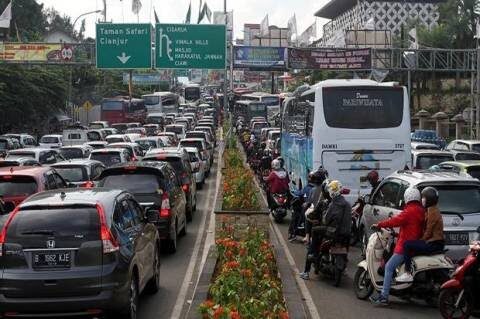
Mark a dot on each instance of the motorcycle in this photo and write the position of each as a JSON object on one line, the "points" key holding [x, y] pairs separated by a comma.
{"points": [[332, 260], [429, 271], [279, 210], [357, 212], [460, 296], [297, 223]]}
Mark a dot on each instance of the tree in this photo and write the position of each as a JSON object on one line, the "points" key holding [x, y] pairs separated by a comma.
{"points": [[28, 18]]}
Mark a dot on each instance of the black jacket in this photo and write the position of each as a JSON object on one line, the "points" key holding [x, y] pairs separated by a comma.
{"points": [[338, 215]]}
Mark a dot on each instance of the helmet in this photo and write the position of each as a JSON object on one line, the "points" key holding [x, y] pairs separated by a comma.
{"points": [[430, 195], [281, 160], [309, 178], [319, 176], [276, 165], [411, 195], [372, 177], [334, 188]]}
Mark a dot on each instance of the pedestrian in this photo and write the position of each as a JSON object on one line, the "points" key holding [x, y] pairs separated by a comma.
{"points": [[410, 221], [432, 240]]}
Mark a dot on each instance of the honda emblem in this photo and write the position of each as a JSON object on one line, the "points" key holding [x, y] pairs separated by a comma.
{"points": [[50, 243]]}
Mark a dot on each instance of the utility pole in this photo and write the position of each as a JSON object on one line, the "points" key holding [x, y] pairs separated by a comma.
{"points": [[477, 117], [225, 84], [104, 10]]}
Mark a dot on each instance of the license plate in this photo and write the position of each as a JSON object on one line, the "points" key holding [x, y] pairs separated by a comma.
{"points": [[452, 238], [51, 260]]}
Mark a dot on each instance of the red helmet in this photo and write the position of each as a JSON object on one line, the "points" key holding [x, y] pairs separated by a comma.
{"points": [[372, 177]]}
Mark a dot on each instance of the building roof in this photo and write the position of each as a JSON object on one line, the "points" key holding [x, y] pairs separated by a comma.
{"points": [[334, 8]]}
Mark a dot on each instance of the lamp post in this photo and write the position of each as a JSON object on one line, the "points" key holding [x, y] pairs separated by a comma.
{"points": [[82, 15]]}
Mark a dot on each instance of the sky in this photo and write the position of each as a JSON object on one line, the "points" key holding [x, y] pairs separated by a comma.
{"points": [[174, 11]]}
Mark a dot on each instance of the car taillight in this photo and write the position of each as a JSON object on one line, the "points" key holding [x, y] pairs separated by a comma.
{"points": [[88, 184], [185, 187], [165, 208], [3, 233], [109, 242], [281, 200]]}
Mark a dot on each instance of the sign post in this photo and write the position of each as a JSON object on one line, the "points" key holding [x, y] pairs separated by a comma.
{"points": [[190, 46], [124, 46]]}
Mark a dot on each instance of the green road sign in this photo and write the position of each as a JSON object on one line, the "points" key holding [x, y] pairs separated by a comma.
{"points": [[124, 46], [190, 46]]}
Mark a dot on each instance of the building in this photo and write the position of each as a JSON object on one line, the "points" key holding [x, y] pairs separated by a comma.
{"points": [[276, 37], [388, 15], [56, 36]]}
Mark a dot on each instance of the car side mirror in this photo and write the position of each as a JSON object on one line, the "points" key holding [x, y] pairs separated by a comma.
{"points": [[151, 215], [367, 199]]}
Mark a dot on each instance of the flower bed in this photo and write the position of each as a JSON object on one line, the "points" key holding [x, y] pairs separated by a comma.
{"points": [[238, 189], [246, 282]]}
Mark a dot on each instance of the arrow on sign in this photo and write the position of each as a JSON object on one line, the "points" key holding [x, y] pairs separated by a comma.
{"points": [[123, 58]]}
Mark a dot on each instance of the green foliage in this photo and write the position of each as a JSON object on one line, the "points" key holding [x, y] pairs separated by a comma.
{"points": [[28, 18]]}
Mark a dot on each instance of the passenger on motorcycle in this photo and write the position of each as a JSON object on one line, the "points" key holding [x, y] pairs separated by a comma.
{"points": [[315, 201], [432, 239], [277, 181], [410, 220]]}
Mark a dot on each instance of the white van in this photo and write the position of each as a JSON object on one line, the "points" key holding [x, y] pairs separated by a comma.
{"points": [[74, 137]]}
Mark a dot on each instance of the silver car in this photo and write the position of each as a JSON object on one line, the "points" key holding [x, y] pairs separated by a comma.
{"points": [[198, 165], [459, 203]]}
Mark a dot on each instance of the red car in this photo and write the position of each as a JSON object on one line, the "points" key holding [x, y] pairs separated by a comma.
{"points": [[18, 183]]}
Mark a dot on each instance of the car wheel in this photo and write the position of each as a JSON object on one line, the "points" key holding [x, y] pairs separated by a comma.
{"points": [[183, 232], [189, 212], [153, 284], [130, 309], [172, 242]]}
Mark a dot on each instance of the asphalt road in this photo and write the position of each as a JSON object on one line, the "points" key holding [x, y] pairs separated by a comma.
{"points": [[174, 267], [341, 302]]}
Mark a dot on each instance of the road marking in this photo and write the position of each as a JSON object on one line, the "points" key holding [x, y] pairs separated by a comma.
{"points": [[312, 309], [187, 281]]}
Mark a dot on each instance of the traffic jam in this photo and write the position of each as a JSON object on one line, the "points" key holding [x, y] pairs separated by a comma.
{"points": [[87, 214]]}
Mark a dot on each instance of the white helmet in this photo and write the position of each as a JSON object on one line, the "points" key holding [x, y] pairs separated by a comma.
{"points": [[276, 165], [412, 194]]}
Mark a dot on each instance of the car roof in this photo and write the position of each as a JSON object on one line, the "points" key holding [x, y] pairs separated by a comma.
{"points": [[177, 151], [31, 150], [52, 135], [464, 164], [467, 141], [108, 150], [155, 114], [82, 146], [131, 144], [24, 170], [147, 164], [432, 176], [105, 196], [146, 138], [433, 152], [77, 161], [192, 150], [115, 136]]}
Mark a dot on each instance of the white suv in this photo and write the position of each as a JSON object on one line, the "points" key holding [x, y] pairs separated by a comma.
{"points": [[459, 203]]}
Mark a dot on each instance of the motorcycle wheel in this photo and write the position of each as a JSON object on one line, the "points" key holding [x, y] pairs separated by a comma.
{"points": [[447, 300], [340, 265], [278, 219], [354, 234], [362, 284]]}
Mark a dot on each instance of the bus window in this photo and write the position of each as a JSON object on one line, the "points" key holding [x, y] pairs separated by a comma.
{"points": [[151, 99]]}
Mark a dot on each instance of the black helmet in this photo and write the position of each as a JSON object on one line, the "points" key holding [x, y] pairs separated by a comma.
{"points": [[319, 176], [282, 161], [431, 196]]}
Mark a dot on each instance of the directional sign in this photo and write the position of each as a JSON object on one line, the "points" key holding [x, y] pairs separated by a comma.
{"points": [[190, 46], [124, 46]]}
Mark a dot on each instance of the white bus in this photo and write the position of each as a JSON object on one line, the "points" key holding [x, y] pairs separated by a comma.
{"points": [[349, 127], [161, 102], [272, 101]]}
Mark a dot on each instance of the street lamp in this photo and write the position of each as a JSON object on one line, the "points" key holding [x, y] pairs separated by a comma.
{"points": [[84, 14]]}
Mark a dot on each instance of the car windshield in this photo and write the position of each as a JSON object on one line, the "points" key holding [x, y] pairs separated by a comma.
{"points": [[95, 126], [476, 148], [147, 144], [135, 131], [197, 144], [70, 222], [134, 183], [72, 174], [94, 136], [120, 127], [20, 154], [71, 153], [112, 140], [17, 185], [429, 160], [3, 145], [175, 129], [49, 139], [459, 199], [107, 158], [9, 163]]}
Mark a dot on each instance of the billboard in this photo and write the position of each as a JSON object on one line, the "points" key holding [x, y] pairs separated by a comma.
{"points": [[260, 58], [35, 52], [330, 59]]}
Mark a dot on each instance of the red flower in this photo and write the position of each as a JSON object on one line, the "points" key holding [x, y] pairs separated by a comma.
{"points": [[232, 264], [234, 314], [218, 312], [283, 315], [246, 272], [209, 303]]}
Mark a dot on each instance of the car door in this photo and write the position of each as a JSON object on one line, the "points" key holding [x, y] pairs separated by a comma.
{"points": [[50, 181], [384, 203], [178, 200], [129, 232]]}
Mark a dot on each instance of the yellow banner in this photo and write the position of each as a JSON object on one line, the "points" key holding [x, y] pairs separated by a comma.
{"points": [[30, 52]]}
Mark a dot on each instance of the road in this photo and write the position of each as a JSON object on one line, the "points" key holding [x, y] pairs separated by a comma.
{"points": [[174, 267], [334, 303]]}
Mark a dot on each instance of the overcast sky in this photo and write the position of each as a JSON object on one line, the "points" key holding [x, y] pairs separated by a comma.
{"points": [[174, 11]]}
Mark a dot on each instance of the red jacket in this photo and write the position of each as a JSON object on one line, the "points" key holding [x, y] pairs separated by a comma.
{"points": [[278, 182], [411, 221]]}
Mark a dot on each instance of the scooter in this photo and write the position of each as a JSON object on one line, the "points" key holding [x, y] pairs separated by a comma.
{"points": [[460, 296], [332, 260], [429, 272], [297, 223], [280, 207]]}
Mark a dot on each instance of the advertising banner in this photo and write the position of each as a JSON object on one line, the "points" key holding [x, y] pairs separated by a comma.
{"points": [[260, 58], [330, 59], [35, 52]]}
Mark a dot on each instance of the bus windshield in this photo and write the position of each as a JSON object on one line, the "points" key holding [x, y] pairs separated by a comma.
{"points": [[192, 93], [271, 100], [151, 99], [363, 108], [112, 105]]}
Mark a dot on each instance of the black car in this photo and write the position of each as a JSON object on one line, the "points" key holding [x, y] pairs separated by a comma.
{"points": [[180, 161], [78, 251], [157, 188]]}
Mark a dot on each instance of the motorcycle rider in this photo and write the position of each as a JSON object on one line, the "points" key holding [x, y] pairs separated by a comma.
{"points": [[432, 239], [411, 221], [318, 196], [297, 214], [374, 180], [277, 181]]}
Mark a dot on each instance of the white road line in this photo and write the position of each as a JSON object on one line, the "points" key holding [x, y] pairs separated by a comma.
{"points": [[187, 281], [312, 309]]}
